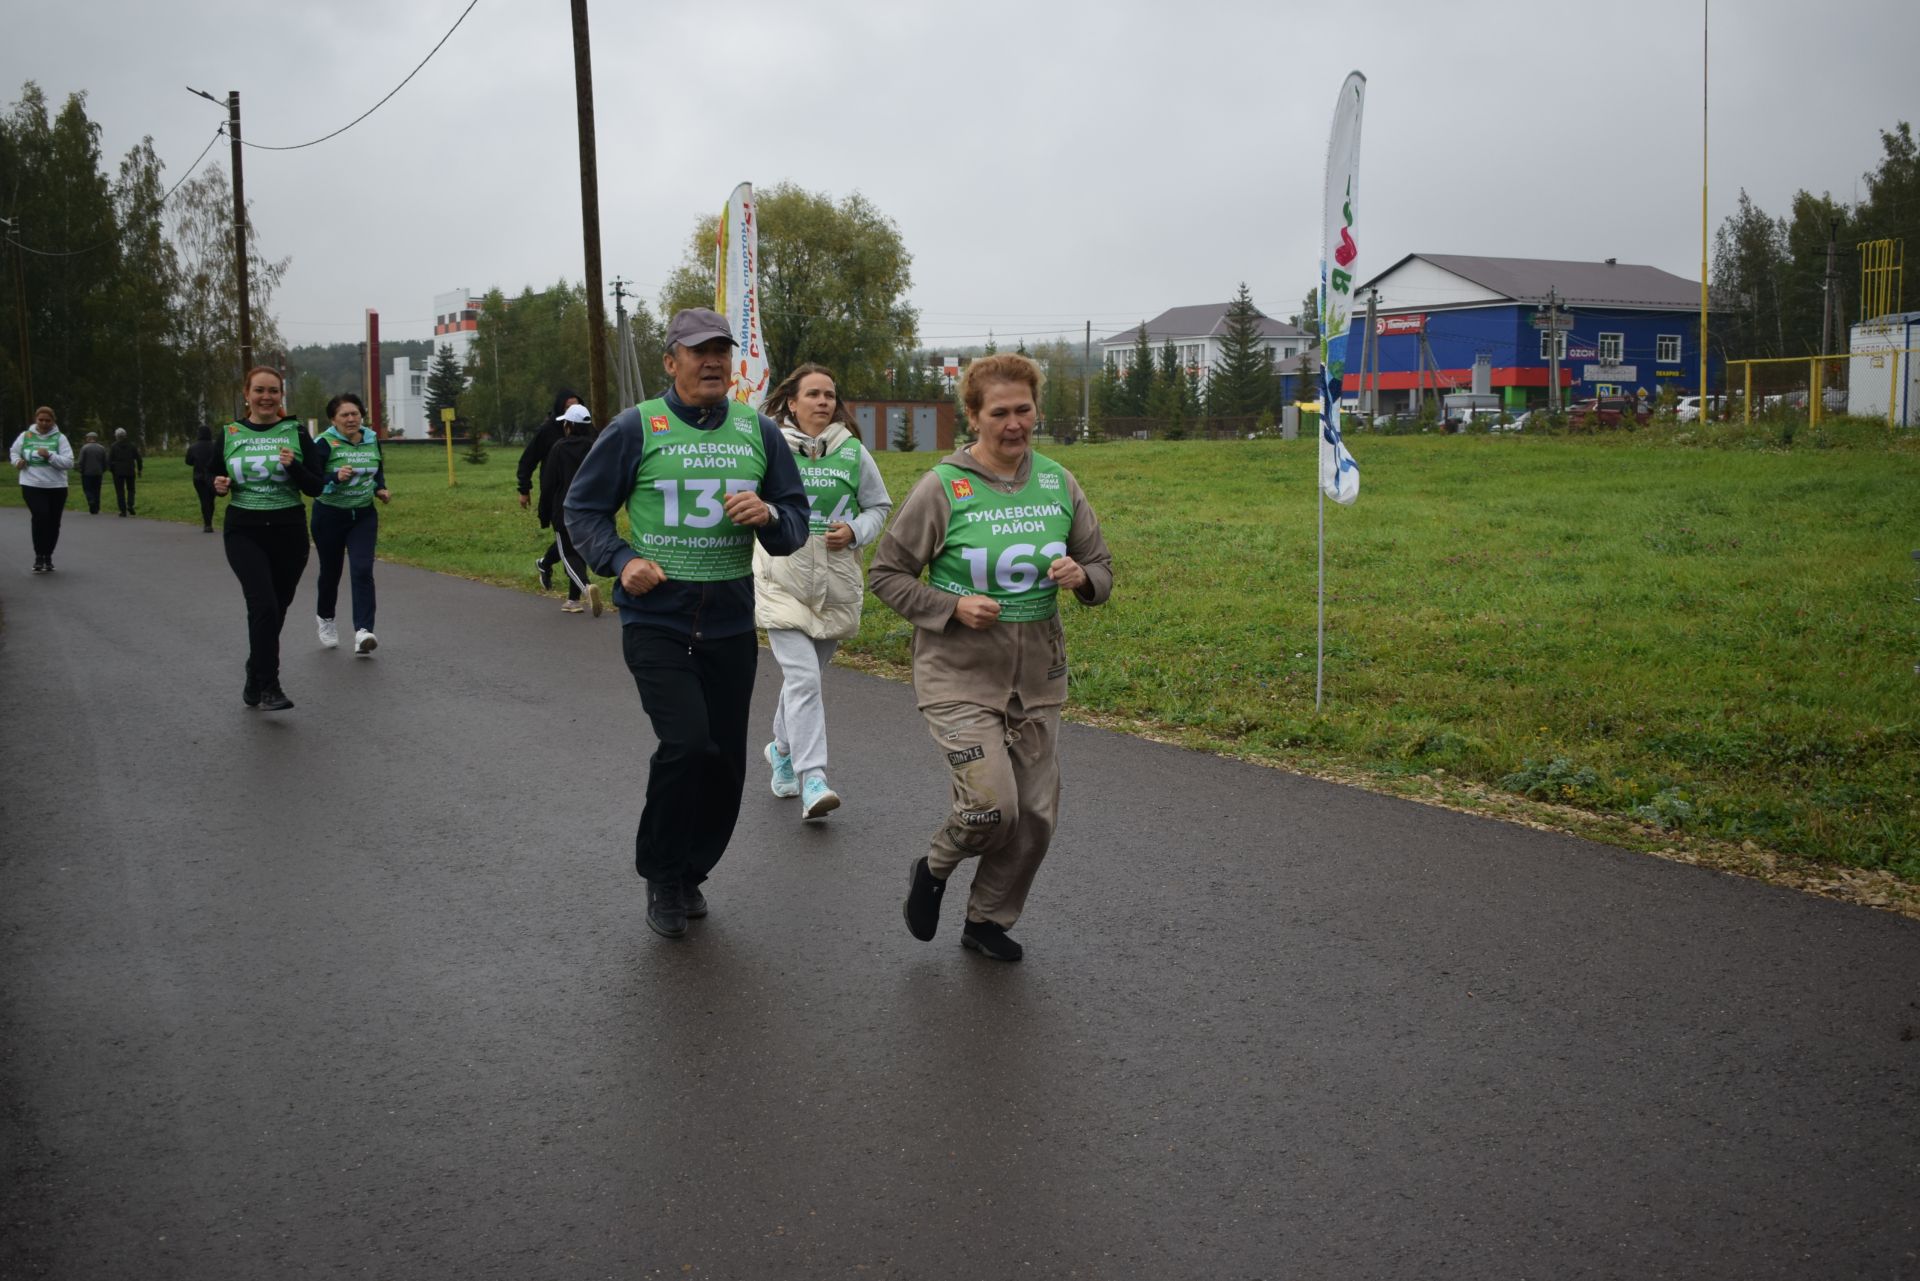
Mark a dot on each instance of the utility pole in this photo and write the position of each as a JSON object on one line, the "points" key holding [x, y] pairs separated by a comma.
{"points": [[242, 299], [621, 365], [1086, 384], [590, 214], [20, 305], [1553, 350], [1829, 290], [1368, 347]]}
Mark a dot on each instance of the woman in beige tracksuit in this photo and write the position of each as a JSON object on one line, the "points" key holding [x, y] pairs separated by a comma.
{"points": [[810, 601], [1003, 532]]}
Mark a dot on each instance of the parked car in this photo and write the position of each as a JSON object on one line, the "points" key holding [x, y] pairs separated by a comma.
{"points": [[1688, 410], [1605, 411], [1519, 422]]}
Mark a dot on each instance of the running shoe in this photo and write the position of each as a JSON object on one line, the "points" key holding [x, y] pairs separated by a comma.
{"points": [[784, 781], [39, 564], [329, 634], [364, 642], [273, 698], [572, 607], [545, 572], [817, 800], [593, 599]]}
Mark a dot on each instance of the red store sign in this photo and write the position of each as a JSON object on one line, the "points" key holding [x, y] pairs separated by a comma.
{"points": [[1384, 325]]}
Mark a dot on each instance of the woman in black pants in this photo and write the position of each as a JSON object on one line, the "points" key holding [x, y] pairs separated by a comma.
{"points": [[269, 463], [345, 522], [204, 457]]}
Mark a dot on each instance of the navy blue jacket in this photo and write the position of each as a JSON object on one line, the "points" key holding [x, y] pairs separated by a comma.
{"points": [[697, 611]]}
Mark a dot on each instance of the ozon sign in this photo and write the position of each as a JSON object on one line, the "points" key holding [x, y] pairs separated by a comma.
{"points": [[1384, 325]]}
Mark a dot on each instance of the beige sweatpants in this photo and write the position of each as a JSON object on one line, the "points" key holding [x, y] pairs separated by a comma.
{"points": [[1006, 800]]}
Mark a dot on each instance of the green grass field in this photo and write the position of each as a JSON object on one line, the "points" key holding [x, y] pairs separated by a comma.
{"points": [[1664, 642]]}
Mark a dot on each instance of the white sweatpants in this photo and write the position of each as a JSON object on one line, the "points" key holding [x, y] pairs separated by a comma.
{"points": [[800, 714]]}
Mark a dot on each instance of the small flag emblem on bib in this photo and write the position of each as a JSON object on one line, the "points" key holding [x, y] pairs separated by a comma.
{"points": [[659, 424], [963, 488]]}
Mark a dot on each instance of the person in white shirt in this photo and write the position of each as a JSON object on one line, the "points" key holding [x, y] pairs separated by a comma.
{"points": [[43, 456]]}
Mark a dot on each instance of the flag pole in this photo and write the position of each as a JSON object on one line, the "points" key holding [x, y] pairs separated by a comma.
{"points": [[1320, 652]]}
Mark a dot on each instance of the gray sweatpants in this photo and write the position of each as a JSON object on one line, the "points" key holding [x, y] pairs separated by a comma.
{"points": [[1006, 800], [800, 714]]}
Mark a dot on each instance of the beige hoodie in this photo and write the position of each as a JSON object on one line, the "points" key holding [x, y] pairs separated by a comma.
{"points": [[953, 663]]}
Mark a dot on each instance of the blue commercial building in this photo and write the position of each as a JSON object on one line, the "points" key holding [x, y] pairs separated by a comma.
{"points": [[1444, 322]]}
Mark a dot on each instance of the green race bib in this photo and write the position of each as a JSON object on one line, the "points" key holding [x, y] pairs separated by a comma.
{"points": [[252, 456], [832, 483], [1000, 545], [364, 458], [675, 515]]}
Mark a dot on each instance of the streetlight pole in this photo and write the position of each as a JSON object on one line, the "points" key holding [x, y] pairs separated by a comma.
{"points": [[243, 294], [20, 304]]}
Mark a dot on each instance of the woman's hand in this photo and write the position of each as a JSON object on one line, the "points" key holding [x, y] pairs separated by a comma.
{"points": [[383, 496], [977, 612], [839, 536], [286, 458], [222, 483], [344, 475], [1066, 571]]}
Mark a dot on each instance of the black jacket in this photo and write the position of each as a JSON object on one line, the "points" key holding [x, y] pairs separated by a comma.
{"points": [[556, 476], [124, 457], [204, 457], [534, 456]]}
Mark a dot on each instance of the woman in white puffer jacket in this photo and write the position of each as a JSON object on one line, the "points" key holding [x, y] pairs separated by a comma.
{"points": [[810, 601]]}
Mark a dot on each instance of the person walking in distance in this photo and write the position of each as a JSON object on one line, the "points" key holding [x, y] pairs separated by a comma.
{"points": [[563, 463], [127, 464], [346, 524], [43, 456], [810, 601], [91, 463], [267, 464], [204, 457], [702, 478], [534, 458], [1003, 531]]}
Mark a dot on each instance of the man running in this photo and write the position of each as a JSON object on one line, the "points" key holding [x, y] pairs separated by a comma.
{"points": [[702, 478]]}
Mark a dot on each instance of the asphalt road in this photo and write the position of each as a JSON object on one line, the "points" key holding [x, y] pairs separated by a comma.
{"points": [[364, 989]]}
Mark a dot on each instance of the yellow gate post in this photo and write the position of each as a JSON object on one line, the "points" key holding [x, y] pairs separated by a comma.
{"points": [[446, 429], [1893, 383], [1746, 399]]}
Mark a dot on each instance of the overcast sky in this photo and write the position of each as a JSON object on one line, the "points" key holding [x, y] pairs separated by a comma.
{"points": [[1047, 163]]}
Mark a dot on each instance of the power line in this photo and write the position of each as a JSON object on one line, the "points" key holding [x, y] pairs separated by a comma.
{"points": [[75, 253], [261, 146]]}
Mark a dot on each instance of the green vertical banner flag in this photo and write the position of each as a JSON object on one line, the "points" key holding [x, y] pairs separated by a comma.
{"points": [[1339, 256]]}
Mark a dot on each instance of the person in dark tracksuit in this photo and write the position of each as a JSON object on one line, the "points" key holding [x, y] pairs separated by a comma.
{"points": [[267, 463], [126, 462], [563, 461], [204, 457], [346, 524], [91, 463], [534, 458], [702, 478]]}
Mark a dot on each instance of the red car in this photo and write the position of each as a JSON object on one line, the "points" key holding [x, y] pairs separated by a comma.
{"points": [[1605, 411]]}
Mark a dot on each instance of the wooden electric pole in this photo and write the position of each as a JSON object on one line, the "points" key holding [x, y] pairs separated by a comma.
{"points": [[590, 216]]}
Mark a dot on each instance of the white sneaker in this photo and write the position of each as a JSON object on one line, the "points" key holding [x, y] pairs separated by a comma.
{"points": [[329, 634], [364, 642], [572, 607]]}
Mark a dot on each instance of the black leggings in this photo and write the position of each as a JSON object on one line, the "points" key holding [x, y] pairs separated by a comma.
{"points": [[203, 486], [268, 560], [45, 506], [345, 533]]}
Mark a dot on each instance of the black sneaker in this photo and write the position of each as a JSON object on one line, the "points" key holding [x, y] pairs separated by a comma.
{"points": [[545, 571], [273, 698], [695, 900], [666, 909], [922, 908], [250, 693], [39, 564], [46, 566], [990, 941]]}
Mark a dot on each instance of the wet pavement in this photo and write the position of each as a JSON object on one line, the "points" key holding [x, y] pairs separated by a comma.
{"points": [[365, 989]]}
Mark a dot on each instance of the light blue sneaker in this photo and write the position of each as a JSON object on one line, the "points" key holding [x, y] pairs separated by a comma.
{"points": [[818, 800], [784, 781]]}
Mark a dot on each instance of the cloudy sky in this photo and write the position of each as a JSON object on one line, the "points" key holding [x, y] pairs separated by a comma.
{"points": [[1047, 162]]}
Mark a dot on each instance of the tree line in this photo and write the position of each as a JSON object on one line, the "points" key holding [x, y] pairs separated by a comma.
{"points": [[122, 311], [1770, 282]]}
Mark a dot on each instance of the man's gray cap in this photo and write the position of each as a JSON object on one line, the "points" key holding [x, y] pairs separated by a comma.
{"points": [[696, 325]]}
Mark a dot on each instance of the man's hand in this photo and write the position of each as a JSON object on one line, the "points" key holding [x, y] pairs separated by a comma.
{"points": [[977, 612], [1066, 571], [523, 502], [748, 508], [641, 576], [839, 536]]}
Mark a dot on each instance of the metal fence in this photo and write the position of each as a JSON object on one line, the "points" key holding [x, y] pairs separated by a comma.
{"points": [[1822, 386]]}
